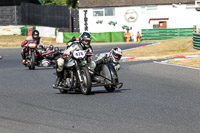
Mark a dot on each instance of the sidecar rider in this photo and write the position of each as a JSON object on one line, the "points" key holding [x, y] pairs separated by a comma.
{"points": [[113, 56], [83, 43], [35, 36], [50, 48]]}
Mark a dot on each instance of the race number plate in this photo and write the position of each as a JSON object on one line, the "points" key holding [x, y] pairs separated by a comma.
{"points": [[79, 54]]}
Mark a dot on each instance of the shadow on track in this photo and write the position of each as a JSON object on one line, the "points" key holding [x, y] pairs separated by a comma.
{"points": [[94, 92]]}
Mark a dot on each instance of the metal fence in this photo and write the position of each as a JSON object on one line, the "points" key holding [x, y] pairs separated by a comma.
{"points": [[8, 15], [53, 16], [40, 15]]}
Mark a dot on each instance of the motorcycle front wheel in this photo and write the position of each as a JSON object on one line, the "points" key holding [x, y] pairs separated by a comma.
{"points": [[86, 85], [32, 66]]}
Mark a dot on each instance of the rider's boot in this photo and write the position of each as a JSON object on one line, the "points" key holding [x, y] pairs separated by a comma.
{"points": [[23, 57], [58, 79], [24, 62]]}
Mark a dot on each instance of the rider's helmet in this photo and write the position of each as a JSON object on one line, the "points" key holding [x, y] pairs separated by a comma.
{"points": [[51, 47], [85, 39], [116, 54], [35, 34]]}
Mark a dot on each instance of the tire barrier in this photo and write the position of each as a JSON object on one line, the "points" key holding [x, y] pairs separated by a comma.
{"points": [[159, 34], [196, 41]]}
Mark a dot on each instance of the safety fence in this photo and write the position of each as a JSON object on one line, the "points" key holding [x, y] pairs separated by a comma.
{"points": [[97, 37], [40, 15], [159, 34], [196, 41]]}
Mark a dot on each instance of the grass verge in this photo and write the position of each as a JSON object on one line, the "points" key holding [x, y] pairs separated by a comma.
{"points": [[188, 62], [16, 40], [167, 49]]}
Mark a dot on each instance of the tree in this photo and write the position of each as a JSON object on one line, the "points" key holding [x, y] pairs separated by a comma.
{"points": [[71, 3]]}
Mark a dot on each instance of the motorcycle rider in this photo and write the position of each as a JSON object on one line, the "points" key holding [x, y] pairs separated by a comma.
{"points": [[113, 56], [35, 37], [83, 43]]}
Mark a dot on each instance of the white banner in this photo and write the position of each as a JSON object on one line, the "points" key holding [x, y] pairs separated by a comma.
{"points": [[10, 30], [46, 31], [59, 38]]}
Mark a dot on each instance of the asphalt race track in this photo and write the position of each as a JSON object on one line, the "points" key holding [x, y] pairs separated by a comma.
{"points": [[155, 98]]}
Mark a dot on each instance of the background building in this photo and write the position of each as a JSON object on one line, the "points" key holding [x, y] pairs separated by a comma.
{"points": [[117, 15]]}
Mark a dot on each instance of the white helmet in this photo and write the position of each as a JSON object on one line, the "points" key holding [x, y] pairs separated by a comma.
{"points": [[116, 54]]}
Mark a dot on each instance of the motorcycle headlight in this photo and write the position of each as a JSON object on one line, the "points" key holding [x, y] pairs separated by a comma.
{"points": [[32, 45]]}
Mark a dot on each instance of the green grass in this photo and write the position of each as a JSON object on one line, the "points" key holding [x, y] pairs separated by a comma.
{"points": [[167, 49], [16, 40]]}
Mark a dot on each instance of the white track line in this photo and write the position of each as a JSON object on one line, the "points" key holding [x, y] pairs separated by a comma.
{"points": [[164, 63]]}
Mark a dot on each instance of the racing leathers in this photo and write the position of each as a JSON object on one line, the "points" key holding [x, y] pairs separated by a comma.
{"points": [[104, 58]]}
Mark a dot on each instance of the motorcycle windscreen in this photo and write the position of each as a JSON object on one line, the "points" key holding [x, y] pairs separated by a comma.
{"points": [[109, 72]]}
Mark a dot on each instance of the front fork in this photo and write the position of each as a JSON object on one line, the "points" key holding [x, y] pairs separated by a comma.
{"points": [[78, 72]]}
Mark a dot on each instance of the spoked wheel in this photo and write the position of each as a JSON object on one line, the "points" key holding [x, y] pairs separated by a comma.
{"points": [[86, 85], [109, 88], [32, 66]]}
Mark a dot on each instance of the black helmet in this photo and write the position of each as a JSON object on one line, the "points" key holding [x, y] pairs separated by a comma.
{"points": [[116, 54], [85, 39], [35, 34]]}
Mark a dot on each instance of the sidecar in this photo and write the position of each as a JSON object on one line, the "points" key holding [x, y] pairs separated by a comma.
{"points": [[107, 77], [49, 58]]}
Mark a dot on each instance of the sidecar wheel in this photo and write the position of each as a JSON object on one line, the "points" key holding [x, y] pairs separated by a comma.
{"points": [[109, 88], [62, 91]]}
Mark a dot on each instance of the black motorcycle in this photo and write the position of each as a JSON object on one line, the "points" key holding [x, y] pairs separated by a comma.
{"points": [[76, 74]]}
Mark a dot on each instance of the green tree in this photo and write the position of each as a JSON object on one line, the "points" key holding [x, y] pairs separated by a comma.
{"points": [[71, 3], [55, 2]]}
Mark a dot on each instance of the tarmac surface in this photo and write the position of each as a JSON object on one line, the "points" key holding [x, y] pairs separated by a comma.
{"points": [[155, 98]]}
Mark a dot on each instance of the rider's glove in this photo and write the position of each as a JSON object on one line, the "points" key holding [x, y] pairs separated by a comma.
{"points": [[64, 56], [24, 43], [89, 52]]}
